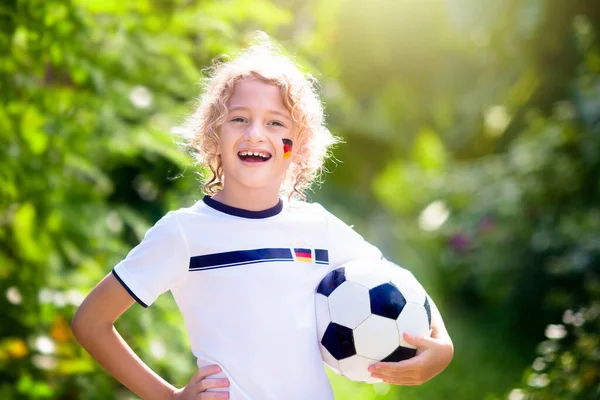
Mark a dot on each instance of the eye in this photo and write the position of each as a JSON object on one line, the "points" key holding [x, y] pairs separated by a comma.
{"points": [[238, 119], [276, 123]]}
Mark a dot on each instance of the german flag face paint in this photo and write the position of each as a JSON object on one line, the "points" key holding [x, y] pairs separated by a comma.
{"points": [[287, 148]]}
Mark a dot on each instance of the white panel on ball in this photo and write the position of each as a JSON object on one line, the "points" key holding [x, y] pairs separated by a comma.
{"points": [[408, 285], [376, 337], [356, 368], [369, 273], [349, 304], [329, 360], [412, 320], [322, 311]]}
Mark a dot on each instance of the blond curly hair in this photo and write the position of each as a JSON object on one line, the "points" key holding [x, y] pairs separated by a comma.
{"points": [[262, 60]]}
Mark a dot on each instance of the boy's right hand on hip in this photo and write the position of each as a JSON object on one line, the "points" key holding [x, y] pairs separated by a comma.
{"points": [[197, 387]]}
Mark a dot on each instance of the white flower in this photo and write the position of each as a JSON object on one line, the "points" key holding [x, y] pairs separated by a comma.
{"points": [[44, 362], [555, 331], [157, 349], [45, 345], [74, 297], [496, 120], [578, 319], [45, 295], [114, 222], [141, 97], [433, 216], [538, 380], [516, 394], [568, 317], [539, 364], [59, 299], [14, 295]]}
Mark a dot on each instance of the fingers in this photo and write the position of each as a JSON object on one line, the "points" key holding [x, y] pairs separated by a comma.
{"points": [[411, 364], [406, 378], [406, 373], [419, 341], [202, 383], [212, 383], [203, 372]]}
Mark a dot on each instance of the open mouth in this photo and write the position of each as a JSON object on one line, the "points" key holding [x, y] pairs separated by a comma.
{"points": [[254, 156]]}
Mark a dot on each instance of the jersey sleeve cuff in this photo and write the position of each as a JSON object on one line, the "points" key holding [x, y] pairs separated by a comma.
{"points": [[129, 285]]}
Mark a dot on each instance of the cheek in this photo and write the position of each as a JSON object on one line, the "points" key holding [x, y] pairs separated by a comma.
{"points": [[226, 141]]}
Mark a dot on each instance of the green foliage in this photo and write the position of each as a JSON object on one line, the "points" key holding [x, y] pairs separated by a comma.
{"points": [[90, 93], [567, 363], [521, 245]]}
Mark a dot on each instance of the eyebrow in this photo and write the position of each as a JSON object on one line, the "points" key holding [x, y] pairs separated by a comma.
{"points": [[276, 112]]}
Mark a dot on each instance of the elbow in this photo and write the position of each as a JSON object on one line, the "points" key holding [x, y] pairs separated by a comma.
{"points": [[82, 325], [86, 326], [449, 347]]}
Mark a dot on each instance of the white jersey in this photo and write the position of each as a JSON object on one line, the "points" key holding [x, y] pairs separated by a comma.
{"points": [[245, 283]]}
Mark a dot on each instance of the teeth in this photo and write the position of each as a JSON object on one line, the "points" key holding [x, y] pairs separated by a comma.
{"points": [[256, 154]]}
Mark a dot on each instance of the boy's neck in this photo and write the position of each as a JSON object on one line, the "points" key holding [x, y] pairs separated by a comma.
{"points": [[251, 200]]}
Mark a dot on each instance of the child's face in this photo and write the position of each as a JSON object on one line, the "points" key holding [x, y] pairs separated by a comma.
{"points": [[257, 123]]}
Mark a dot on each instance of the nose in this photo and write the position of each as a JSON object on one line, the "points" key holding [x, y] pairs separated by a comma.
{"points": [[254, 133]]}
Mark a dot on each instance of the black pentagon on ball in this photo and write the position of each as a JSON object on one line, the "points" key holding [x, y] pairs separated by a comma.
{"points": [[428, 310], [386, 301], [339, 341], [400, 354], [331, 281]]}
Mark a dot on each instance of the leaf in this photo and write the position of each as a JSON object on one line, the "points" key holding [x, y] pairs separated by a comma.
{"points": [[428, 151], [400, 187], [85, 168], [135, 221], [32, 122], [24, 225], [161, 144], [76, 366]]}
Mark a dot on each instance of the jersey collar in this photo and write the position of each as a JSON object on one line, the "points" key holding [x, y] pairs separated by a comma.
{"points": [[240, 212]]}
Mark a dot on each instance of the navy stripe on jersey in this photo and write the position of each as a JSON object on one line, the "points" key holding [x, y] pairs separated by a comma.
{"points": [[129, 290], [321, 256], [240, 212], [240, 257]]}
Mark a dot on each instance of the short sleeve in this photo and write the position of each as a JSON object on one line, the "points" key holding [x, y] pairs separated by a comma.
{"points": [[345, 244], [158, 263]]}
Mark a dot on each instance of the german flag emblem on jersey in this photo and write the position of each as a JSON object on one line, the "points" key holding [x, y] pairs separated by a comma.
{"points": [[303, 255]]}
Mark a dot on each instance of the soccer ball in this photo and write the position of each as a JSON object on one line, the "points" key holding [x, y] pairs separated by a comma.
{"points": [[363, 308]]}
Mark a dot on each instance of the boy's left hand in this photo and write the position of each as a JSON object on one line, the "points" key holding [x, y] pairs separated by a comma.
{"points": [[433, 356]]}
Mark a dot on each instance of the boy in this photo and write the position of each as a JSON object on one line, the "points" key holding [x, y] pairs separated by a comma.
{"points": [[230, 260]]}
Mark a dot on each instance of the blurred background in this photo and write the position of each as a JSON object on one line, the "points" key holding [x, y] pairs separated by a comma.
{"points": [[472, 158]]}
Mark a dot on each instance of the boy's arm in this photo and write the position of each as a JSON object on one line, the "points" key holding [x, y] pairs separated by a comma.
{"points": [[437, 325], [433, 356], [93, 328]]}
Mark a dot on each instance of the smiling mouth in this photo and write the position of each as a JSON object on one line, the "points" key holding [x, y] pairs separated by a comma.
{"points": [[254, 156]]}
